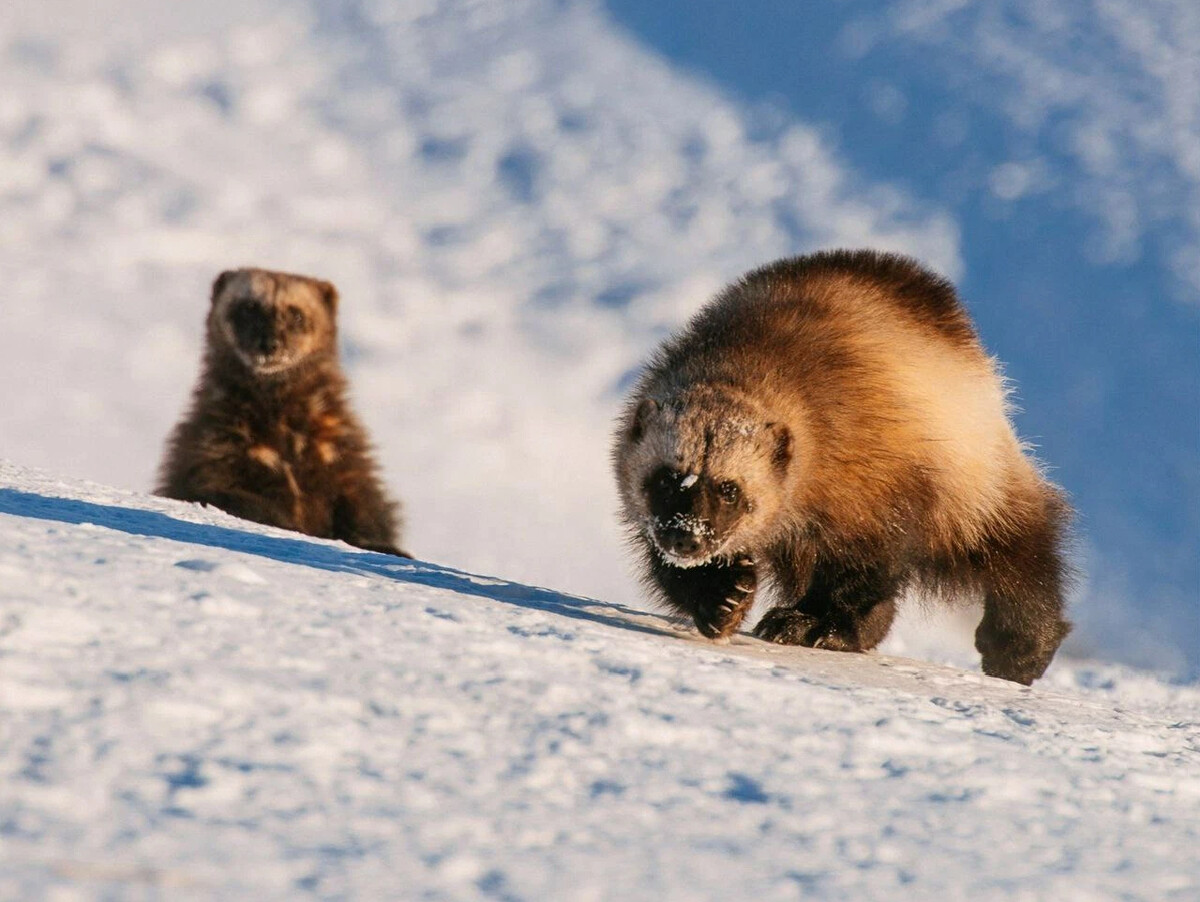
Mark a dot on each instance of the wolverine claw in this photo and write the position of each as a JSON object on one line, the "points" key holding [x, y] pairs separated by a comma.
{"points": [[732, 588], [775, 627], [719, 621], [717, 595], [787, 626]]}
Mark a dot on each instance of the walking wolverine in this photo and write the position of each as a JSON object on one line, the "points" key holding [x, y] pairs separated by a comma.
{"points": [[270, 436], [833, 421]]}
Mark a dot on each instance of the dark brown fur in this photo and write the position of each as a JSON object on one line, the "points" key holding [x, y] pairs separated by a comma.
{"points": [[278, 445], [847, 400]]}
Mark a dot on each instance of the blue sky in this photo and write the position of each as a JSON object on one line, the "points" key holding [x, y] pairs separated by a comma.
{"points": [[1072, 226]]}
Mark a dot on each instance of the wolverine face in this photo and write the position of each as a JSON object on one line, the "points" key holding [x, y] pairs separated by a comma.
{"points": [[273, 321], [691, 514], [701, 475]]}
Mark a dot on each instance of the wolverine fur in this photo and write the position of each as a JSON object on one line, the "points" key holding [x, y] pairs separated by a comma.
{"points": [[270, 436], [832, 422]]}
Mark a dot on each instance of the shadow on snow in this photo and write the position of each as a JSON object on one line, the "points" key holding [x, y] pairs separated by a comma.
{"points": [[316, 554]]}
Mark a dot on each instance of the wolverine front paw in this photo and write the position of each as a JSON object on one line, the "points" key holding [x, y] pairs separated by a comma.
{"points": [[788, 626], [722, 601]]}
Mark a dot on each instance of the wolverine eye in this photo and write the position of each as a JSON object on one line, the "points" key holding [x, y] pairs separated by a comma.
{"points": [[296, 319], [729, 492]]}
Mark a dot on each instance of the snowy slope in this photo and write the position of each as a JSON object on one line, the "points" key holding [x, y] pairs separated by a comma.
{"points": [[194, 707]]}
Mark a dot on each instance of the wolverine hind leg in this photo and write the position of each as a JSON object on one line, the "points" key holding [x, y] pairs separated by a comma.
{"points": [[1023, 576], [363, 517]]}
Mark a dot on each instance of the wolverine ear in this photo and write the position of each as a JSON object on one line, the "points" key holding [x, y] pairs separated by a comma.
{"points": [[641, 418], [781, 454], [220, 282], [329, 294]]}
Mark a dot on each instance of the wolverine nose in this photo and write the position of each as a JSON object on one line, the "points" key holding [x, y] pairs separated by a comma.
{"points": [[255, 328], [262, 337], [682, 542]]}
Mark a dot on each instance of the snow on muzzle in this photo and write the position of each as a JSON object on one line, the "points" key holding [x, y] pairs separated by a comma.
{"points": [[684, 539]]}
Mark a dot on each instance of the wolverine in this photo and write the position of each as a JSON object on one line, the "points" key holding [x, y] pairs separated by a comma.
{"points": [[831, 426], [270, 436]]}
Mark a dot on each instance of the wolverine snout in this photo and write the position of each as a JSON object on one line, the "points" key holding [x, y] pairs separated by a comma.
{"points": [[677, 541], [263, 341], [254, 327], [685, 538]]}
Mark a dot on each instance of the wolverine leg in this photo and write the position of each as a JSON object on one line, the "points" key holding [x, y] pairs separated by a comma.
{"points": [[717, 595], [1023, 576], [379, 547], [844, 608], [367, 520], [251, 506]]}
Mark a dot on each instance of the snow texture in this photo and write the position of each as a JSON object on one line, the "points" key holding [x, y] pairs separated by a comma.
{"points": [[192, 706]]}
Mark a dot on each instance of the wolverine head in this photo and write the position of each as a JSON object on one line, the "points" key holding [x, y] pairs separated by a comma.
{"points": [[701, 474], [273, 321]]}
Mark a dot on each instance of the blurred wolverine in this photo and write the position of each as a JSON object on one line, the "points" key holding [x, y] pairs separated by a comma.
{"points": [[270, 436]]}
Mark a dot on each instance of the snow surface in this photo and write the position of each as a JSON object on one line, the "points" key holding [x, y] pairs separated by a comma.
{"points": [[192, 706]]}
